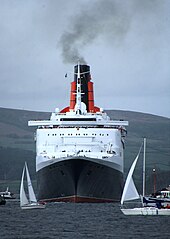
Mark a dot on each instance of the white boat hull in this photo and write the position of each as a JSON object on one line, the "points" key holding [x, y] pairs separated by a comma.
{"points": [[150, 211], [33, 206]]}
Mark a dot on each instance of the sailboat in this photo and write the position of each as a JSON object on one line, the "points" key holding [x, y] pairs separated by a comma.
{"points": [[31, 202], [130, 193]]}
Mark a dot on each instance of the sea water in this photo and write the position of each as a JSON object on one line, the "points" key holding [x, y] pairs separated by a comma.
{"points": [[84, 220]]}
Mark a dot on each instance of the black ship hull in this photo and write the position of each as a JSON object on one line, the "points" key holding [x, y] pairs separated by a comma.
{"points": [[77, 180]]}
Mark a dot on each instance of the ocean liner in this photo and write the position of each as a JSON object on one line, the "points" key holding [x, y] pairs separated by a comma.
{"points": [[79, 150]]}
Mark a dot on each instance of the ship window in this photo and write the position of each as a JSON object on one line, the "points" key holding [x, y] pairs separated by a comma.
{"points": [[107, 134], [48, 134], [78, 119]]}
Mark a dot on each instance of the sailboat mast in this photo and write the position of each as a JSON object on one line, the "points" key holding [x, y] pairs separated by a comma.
{"points": [[31, 193], [144, 160]]}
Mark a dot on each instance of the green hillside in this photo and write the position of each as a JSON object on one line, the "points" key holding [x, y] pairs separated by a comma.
{"points": [[14, 130], [17, 144]]}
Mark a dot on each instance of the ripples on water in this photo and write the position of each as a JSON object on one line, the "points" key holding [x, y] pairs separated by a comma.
{"points": [[68, 220]]}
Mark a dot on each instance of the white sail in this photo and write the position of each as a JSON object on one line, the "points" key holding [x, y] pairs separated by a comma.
{"points": [[23, 198], [32, 197], [130, 191]]}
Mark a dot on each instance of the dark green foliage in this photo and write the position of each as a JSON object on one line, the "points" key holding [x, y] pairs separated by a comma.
{"points": [[12, 162]]}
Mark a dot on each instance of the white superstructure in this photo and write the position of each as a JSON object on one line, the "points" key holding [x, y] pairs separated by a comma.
{"points": [[91, 135]]}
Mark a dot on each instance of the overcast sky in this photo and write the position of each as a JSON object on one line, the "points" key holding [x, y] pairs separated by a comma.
{"points": [[126, 43]]}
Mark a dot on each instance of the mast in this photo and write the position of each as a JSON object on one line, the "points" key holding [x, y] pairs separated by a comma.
{"points": [[32, 197], [78, 92], [23, 198], [154, 181], [144, 160]]}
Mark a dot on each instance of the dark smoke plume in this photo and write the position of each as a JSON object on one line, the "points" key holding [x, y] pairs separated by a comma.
{"points": [[108, 19], [103, 18]]}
